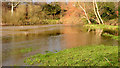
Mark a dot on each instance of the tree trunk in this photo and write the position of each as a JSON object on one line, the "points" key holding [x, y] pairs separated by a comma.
{"points": [[98, 13], [85, 13], [12, 8], [26, 11], [26, 14]]}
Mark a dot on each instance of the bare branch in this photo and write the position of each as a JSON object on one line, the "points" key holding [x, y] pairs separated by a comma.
{"points": [[85, 12], [17, 4]]}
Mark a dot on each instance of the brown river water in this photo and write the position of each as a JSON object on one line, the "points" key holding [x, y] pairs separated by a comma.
{"points": [[19, 42]]}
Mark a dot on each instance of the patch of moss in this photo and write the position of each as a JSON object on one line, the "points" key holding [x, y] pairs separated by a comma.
{"points": [[26, 50]]}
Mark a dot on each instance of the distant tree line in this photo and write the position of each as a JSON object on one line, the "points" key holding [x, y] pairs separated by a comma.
{"points": [[16, 13], [28, 13]]}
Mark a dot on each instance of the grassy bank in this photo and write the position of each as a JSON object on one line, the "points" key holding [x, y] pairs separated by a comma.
{"points": [[81, 56], [51, 22], [107, 28], [101, 26], [110, 36]]}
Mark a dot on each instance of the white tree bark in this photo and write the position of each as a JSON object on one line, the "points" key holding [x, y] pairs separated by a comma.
{"points": [[12, 7], [85, 13], [98, 13]]}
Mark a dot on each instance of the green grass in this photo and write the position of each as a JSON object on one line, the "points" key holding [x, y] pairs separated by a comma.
{"points": [[101, 26], [99, 55], [111, 36]]}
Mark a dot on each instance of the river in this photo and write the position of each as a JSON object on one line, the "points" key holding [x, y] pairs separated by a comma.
{"points": [[19, 42]]}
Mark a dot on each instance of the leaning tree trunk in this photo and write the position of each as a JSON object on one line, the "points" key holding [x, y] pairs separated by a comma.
{"points": [[98, 20], [98, 13], [85, 13]]}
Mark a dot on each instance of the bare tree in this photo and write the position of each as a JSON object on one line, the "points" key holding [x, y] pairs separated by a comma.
{"points": [[85, 12], [98, 13], [13, 5]]}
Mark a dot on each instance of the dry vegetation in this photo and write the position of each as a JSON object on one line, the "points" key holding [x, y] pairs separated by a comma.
{"points": [[71, 13]]}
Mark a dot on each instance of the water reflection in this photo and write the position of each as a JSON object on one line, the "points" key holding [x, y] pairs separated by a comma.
{"points": [[76, 36], [47, 38]]}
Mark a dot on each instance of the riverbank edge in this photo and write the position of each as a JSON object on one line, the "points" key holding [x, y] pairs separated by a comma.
{"points": [[103, 26], [95, 55], [42, 22]]}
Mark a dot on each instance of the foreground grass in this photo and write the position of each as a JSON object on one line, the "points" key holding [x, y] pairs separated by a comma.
{"points": [[101, 26], [81, 56]]}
